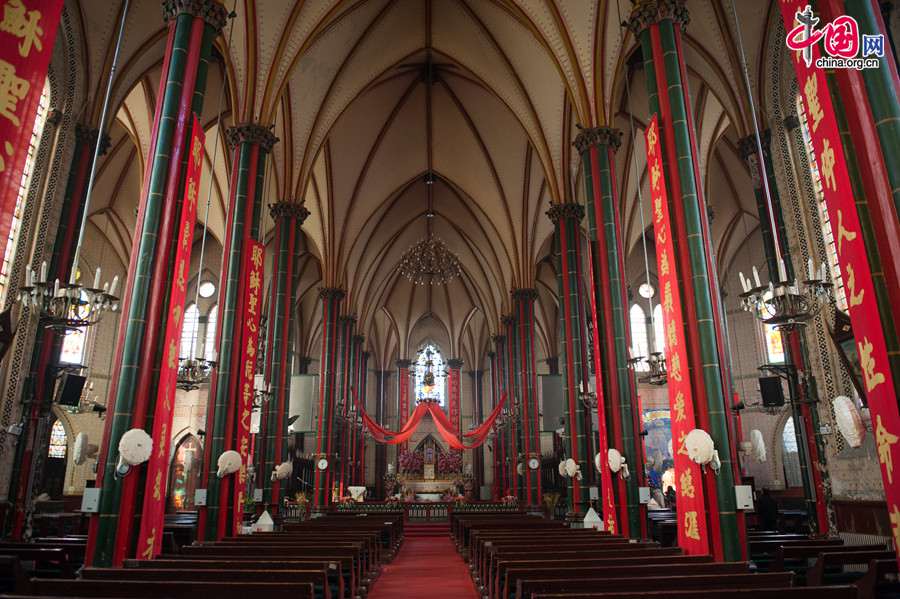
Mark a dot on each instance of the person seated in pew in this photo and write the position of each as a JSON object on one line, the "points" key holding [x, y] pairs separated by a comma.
{"points": [[767, 508]]}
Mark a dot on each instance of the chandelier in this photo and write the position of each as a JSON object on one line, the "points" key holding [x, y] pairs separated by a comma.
{"points": [[783, 304], [193, 372], [69, 306], [429, 261], [657, 373]]}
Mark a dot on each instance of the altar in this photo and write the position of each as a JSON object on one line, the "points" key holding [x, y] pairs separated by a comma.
{"points": [[428, 490]]}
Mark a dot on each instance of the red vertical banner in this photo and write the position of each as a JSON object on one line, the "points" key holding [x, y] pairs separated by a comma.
{"points": [[692, 533], [253, 267], [868, 327], [453, 376], [27, 35], [403, 392], [154, 507]]}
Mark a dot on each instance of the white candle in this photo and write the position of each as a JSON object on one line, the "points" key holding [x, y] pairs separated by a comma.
{"points": [[29, 276], [782, 271], [745, 284], [56, 288], [96, 279], [115, 283], [44, 271], [756, 277], [822, 272], [810, 269]]}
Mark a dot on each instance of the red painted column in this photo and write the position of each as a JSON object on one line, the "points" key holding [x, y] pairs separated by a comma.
{"points": [[496, 487], [403, 397], [331, 306], [454, 366]]}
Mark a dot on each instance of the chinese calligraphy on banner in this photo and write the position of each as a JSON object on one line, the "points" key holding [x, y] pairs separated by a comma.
{"points": [[692, 536], [154, 509], [453, 392], [868, 329], [253, 267], [27, 34]]}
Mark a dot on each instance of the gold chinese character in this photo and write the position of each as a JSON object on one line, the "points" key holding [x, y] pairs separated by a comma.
{"points": [[256, 256], [163, 446], [691, 529], [682, 449], [843, 233], [679, 407], [811, 89], [668, 302], [872, 378], [9, 151], [883, 441], [251, 348], [23, 25], [675, 367], [826, 161], [895, 524], [172, 361], [662, 236], [651, 139], [186, 235], [672, 335], [191, 195], [176, 315], [664, 263], [658, 209], [196, 151], [654, 175], [157, 492], [147, 553], [254, 279], [686, 484], [179, 274], [12, 89], [855, 298]]}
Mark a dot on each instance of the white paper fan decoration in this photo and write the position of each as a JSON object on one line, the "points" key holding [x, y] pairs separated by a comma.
{"points": [[283, 471], [849, 420], [700, 446], [759, 445], [135, 447], [614, 459], [562, 468], [229, 463], [83, 450], [598, 461]]}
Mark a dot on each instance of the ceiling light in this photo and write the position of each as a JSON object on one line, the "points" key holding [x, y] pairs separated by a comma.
{"points": [[207, 289]]}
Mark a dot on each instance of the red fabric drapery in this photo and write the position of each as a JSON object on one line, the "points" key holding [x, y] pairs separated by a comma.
{"points": [[445, 428]]}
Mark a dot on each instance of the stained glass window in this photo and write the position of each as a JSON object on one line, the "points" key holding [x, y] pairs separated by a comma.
{"points": [[659, 330], [58, 444], [39, 120], [209, 349], [639, 346], [189, 330], [774, 345], [436, 390], [791, 455], [75, 341]]}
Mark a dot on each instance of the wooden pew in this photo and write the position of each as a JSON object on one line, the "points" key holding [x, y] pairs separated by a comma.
{"points": [[12, 576], [47, 561], [513, 577], [171, 589], [835, 592], [875, 579], [700, 583], [797, 556], [318, 577]]}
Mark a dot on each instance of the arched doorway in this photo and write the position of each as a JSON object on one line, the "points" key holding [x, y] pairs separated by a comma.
{"points": [[790, 456], [184, 474], [54, 475]]}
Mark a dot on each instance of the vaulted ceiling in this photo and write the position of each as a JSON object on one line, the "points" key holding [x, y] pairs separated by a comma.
{"points": [[370, 96]]}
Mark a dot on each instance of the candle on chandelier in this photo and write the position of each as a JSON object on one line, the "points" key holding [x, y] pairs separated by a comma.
{"points": [[756, 277]]}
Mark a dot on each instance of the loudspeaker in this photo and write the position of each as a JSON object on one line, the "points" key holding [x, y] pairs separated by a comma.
{"points": [[68, 389], [772, 392]]}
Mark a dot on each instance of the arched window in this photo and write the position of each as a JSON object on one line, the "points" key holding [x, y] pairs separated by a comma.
{"points": [[74, 343], [184, 474], [39, 120], [189, 330], [774, 345], [639, 346], [209, 347], [824, 220], [425, 388], [659, 330], [58, 442], [790, 455]]}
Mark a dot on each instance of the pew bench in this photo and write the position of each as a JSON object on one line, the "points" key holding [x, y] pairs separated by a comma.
{"points": [[170, 589], [798, 557], [881, 577], [835, 592]]}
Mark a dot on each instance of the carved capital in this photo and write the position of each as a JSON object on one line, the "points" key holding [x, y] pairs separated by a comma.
{"points": [[791, 122], [524, 294], [492, 355], [331, 293], [88, 135], [404, 363], [347, 319], [454, 363], [288, 210], [359, 339], [747, 146], [498, 339], [647, 12], [601, 137], [210, 11], [250, 133], [507, 320], [566, 210]]}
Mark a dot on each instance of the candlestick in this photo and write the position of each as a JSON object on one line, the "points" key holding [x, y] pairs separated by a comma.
{"points": [[756, 278]]}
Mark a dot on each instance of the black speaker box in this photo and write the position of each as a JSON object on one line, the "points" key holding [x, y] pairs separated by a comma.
{"points": [[68, 389], [772, 392]]}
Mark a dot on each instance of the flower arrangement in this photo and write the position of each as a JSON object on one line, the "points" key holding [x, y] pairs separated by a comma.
{"points": [[509, 500], [411, 462], [450, 462]]}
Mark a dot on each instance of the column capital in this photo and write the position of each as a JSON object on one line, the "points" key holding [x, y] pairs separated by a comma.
{"points": [[455, 363], [747, 146], [365, 355], [329, 293], [304, 361], [498, 339], [288, 210], [347, 319], [524, 294], [565, 210], [404, 363], [507, 319], [210, 11], [88, 135], [647, 12], [791, 122], [359, 339], [492, 354], [251, 133], [602, 137]]}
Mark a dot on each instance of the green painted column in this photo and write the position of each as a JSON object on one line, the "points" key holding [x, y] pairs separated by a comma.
{"points": [[514, 449], [331, 307], [523, 308], [597, 147], [288, 217], [192, 27], [502, 446], [658, 24], [567, 218], [250, 144]]}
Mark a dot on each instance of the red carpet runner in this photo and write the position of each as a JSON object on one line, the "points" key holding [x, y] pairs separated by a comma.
{"points": [[427, 566]]}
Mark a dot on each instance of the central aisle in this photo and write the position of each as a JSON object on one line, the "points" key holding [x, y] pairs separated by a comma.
{"points": [[427, 566]]}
